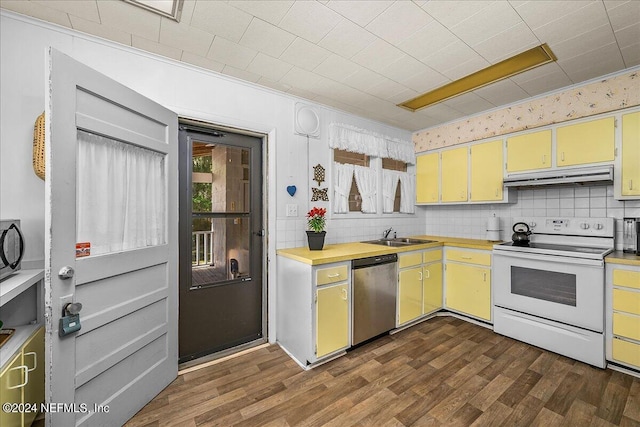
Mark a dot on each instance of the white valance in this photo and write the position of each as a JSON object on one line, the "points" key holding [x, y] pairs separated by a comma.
{"points": [[357, 140]]}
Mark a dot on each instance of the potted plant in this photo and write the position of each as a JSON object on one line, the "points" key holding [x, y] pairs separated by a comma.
{"points": [[316, 233]]}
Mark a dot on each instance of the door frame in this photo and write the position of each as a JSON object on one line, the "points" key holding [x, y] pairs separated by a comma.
{"points": [[184, 225]]}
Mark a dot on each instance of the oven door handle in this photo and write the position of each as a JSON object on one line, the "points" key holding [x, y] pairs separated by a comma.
{"points": [[552, 258]]}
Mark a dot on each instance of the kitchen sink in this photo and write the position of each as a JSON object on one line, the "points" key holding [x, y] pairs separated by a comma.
{"points": [[398, 242]]}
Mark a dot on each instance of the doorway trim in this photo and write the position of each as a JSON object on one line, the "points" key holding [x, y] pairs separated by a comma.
{"points": [[267, 136]]}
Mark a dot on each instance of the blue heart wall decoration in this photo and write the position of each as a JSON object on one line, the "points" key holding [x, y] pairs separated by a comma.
{"points": [[291, 189]]}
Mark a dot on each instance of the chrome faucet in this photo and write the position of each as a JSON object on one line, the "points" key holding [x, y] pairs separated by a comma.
{"points": [[385, 233]]}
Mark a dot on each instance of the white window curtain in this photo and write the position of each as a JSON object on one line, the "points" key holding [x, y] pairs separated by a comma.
{"points": [[407, 192], [342, 178], [120, 195], [389, 184], [367, 185]]}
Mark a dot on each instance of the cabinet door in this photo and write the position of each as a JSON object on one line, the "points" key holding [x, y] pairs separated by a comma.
{"points": [[10, 392], [469, 290], [588, 142], [529, 151], [432, 287], [455, 175], [332, 319], [427, 176], [409, 295], [33, 359], [486, 171], [631, 154]]}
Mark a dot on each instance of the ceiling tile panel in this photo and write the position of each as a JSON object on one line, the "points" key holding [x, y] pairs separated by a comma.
{"points": [[425, 81], [336, 68], [623, 13], [87, 10], [502, 92], [595, 38], [299, 78], [267, 38], [228, 52], [187, 11], [269, 67], [271, 11], [310, 20], [450, 57], [378, 55], [579, 21], [37, 11], [441, 112], [364, 78], [403, 68], [100, 30], [241, 74], [423, 43], [387, 89], [130, 18], [217, 17], [593, 64], [449, 12], [202, 62], [628, 36], [538, 13], [304, 54], [399, 21], [514, 40], [346, 39], [360, 12], [155, 47], [263, 81], [474, 64], [469, 103], [185, 37], [546, 83], [496, 18], [631, 55]]}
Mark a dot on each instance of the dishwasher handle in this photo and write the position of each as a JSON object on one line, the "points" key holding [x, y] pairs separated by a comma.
{"points": [[374, 260]]}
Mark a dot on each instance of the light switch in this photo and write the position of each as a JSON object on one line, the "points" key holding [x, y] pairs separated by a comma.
{"points": [[292, 210]]}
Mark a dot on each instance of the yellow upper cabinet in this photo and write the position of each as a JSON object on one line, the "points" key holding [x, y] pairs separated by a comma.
{"points": [[529, 151], [588, 142], [486, 171], [427, 176], [631, 154], [455, 174]]}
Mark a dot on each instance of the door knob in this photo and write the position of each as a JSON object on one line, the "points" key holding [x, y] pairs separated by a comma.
{"points": [[66, 272]]}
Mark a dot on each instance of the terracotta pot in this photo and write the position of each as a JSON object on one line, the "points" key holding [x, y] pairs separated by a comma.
{"points": [[316, 240]]}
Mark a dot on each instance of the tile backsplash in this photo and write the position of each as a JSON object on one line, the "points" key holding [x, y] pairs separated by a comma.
{"points": [[580, 201]]}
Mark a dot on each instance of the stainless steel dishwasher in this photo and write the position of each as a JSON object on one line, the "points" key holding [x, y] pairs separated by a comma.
{"points": [[374, 296]]}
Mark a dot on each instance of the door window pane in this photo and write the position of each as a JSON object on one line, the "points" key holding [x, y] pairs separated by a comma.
{"points": [[120, 195]]}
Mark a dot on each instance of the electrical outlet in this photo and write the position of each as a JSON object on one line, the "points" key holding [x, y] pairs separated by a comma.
{"points": [[292, 210]]}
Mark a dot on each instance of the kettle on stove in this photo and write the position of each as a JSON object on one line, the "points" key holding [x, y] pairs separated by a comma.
{"points": [[521, 233]]}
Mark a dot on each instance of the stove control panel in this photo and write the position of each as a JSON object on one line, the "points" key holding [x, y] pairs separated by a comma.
{"points": [[579, 226]]}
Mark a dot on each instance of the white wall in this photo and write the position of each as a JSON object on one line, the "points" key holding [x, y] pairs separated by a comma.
{"points": [[187, 90]]}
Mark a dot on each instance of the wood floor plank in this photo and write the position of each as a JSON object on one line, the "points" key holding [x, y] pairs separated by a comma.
{"points": [[443, 371]]}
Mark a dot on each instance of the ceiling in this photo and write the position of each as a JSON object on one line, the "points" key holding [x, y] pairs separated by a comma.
{"points": [[365, 57]]}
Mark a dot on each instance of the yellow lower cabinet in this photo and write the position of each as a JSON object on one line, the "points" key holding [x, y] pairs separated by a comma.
{"points": [[432, 287], [11, 379], [332, 319], [409, 294], [626, 325], [33, 359], [626, 352], [469, 290]]}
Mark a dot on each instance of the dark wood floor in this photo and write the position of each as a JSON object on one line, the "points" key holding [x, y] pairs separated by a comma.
{"points": [[444, 371]]}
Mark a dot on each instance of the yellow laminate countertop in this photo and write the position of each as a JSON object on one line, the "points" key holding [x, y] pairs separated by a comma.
{"points": [[619, 257], [349, 251]]}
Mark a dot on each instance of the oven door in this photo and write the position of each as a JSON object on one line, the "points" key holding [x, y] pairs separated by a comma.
{"points": [[564, 289]]}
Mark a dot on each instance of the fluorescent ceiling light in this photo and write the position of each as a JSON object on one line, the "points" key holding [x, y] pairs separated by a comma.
{"points": [[167, 8], [524, 61]]}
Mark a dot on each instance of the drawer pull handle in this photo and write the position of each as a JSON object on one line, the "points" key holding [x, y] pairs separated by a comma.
{"points": [[419, 275], [544, 159], [428, 273], [35, 360], [562, 156], [484, 276], [26, 377], [466, 257], [333, 275], [344, 294], [630, 184]]}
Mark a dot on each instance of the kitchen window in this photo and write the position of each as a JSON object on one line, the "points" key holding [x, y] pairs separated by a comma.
{"points": [[346, 157]]}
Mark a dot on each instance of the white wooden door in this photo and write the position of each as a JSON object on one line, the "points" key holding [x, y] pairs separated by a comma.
{"points": [[126, 350]]}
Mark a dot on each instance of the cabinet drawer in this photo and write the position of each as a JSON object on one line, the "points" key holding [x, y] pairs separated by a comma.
{"points": [[332, 275], [432, 256], [409, 260], [469, 257], [625, 325], [626, 352], [628, 278], [627, 301]]}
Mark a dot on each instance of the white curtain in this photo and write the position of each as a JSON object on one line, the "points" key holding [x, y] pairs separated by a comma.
{"points": [[389, 184], [367, 186], [407, 192], [120, 195], [342, 178], [363, 141]]}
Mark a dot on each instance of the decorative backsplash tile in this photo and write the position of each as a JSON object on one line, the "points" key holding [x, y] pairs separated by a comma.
{"points": [[603, 96]]}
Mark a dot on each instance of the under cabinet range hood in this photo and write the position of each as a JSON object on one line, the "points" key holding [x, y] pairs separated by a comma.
{"points": [[578, 176]]}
